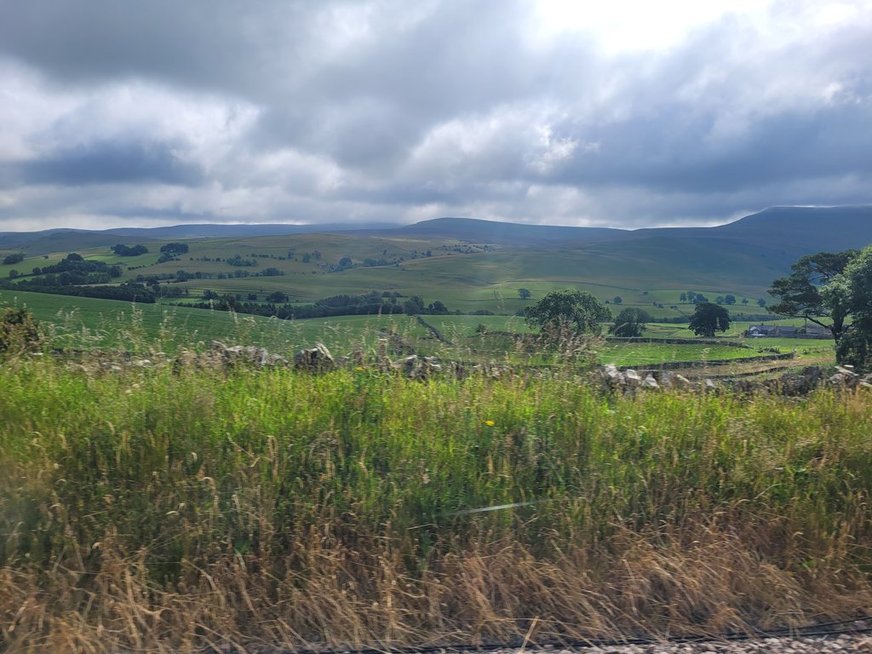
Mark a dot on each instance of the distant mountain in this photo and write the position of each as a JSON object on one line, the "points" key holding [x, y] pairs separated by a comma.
{"points": [[58, 240], [238, 231], [792, 229], [789, 229], [805, 229], [748, 253], [515, 234]]}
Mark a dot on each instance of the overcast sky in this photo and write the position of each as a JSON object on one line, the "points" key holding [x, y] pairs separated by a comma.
{"points": [[609, 113]]}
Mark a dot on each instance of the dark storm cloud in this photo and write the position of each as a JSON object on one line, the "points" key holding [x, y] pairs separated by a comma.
{"points": [[669, 151], [219, 45], [395, 110], [112, 162]]}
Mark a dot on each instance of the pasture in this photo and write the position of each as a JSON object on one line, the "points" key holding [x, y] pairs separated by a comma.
{"points": [[84, 323]]}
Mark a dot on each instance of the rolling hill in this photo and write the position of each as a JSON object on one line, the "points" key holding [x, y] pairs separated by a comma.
{"points": [[469, 264]]}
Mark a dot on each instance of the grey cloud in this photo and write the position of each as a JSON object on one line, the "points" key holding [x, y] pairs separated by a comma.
{"points": [[403, 108], [669, 151], [373, 106], [208, 45], [111, 162]]}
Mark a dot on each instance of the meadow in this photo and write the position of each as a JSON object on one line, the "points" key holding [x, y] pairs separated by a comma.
{"points": [[170, 510], [89, 323]]}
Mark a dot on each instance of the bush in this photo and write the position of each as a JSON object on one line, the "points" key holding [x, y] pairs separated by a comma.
{"points": [[19, 331], [174, 248]]}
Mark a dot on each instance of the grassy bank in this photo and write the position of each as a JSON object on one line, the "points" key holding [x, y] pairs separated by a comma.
{"points": [[164, 512]]}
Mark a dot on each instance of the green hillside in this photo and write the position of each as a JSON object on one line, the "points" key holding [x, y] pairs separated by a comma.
{"points": [[470, 265]]}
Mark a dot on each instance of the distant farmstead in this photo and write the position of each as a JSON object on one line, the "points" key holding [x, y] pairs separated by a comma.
{"points": [[787, 331]]}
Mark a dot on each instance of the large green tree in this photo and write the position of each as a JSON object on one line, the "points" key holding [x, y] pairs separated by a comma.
{"points": [[630, 322], [577, 310], [707, 318], [801, 294], [852, 292]]}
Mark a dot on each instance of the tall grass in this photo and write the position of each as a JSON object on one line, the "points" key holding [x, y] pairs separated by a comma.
{"points": [[165, 511]]}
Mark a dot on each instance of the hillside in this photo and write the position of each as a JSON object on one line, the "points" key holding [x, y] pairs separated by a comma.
{"points": [[53, 240], [805, 229], [468, 264], [512, 234]]}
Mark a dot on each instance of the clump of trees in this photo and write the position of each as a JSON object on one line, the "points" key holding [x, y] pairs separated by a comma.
{"points": [[122, 250], [277, 304], [10, 259], [238, 260], [277, 297], [693, 297], [174, 248], [171, 251], [415, 305], [73, 270], [127, 291]]}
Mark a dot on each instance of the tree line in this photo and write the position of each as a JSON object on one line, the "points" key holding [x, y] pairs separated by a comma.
{"points": [[278, 305]]}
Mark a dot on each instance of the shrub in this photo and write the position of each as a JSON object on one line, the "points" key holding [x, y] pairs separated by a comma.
{"points": [[19, 331]]}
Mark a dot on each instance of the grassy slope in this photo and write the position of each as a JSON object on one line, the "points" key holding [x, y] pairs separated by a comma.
{"points": [[481, 280], [741, 258], [89, 322]]}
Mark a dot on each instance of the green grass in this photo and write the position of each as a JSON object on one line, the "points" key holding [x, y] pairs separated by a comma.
{"points": [[87, 323], [150, 508], [637, 354]]}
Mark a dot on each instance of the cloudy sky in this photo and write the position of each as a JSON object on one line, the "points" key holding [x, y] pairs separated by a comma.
{"points": [[614, 113]]}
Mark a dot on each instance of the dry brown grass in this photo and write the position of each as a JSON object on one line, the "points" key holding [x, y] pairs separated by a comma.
{"points": [[701, 582]]}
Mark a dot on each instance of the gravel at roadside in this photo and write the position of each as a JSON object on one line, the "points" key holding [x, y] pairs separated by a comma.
{"points": [[860, 643]]}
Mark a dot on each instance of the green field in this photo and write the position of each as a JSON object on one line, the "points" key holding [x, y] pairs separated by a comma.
{"points": [[88, 323]]}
